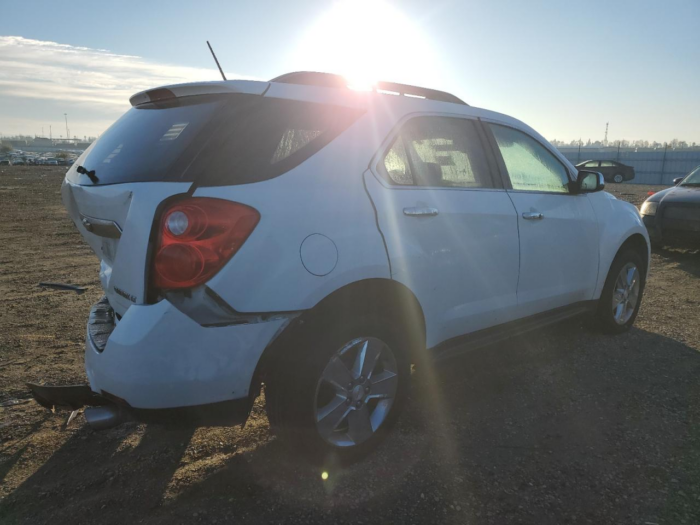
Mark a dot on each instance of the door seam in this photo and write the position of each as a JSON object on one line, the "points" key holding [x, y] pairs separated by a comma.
{"points": [[376, 221], [520, 255]]}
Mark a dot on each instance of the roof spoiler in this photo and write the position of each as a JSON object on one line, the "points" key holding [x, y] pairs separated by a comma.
{"points": [[161, 94], [312, 78]]}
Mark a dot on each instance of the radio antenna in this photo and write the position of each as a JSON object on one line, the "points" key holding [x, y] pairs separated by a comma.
{"points": [[217, 61]]}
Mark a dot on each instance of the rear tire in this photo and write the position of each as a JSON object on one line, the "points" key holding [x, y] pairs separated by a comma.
{"points": [[618, 178], [622, 294], [313, 412]]}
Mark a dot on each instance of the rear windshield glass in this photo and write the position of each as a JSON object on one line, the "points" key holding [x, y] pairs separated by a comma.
{"points": [[228, 139]]}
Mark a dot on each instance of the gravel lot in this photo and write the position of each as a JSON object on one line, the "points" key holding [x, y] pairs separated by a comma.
{"points": [[562, 426]]}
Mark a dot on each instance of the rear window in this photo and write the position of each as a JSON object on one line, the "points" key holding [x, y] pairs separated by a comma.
{"points": [[228, 139]]}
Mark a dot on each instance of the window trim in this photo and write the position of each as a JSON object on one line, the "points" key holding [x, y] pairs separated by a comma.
{"points": [[379, 170], [502, 165]]}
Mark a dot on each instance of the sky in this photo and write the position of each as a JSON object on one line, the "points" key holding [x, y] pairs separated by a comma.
{"points": [[565, 68]]}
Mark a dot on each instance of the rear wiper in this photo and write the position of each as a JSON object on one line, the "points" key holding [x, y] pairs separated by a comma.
{"points": [[91, 174]]}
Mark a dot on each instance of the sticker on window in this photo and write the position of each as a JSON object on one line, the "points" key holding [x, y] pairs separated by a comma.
{"points": [[174, 131], [114, 153]]}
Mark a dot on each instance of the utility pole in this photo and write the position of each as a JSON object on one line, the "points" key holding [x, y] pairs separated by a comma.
{"points": [[578, 158], [68, 136], [663, 164], [605, 140]]}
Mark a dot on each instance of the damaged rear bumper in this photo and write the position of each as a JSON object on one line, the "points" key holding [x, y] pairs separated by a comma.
{"points": [[157, 365], [106, 410]]}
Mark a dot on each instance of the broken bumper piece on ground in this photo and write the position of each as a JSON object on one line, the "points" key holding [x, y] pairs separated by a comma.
{"points": [[106, 411]]}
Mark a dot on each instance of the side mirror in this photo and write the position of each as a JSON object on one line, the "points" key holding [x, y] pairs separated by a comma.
{"points": [[677, 181], [589, 182]]}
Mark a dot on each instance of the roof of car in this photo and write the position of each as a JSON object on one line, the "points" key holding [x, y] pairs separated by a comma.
{"points": [[313, 78], [597, 160], [301, 78], [333, 89]]}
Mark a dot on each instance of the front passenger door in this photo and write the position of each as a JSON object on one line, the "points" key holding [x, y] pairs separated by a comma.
{"points": [[558, 230]]}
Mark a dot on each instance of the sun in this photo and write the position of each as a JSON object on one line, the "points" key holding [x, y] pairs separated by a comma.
{"points": [[366, 41]]}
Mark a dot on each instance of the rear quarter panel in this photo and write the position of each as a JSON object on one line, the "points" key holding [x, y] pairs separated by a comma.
{"points": [[324, 195]]}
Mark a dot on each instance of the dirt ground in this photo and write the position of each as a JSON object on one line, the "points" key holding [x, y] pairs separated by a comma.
{"points": [[563, 426]]}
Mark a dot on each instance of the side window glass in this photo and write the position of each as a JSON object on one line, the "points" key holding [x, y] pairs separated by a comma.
{"points": [[592, 164], [396, 164], [292, 141], [606, 164], [438, 151], [530, 166]]}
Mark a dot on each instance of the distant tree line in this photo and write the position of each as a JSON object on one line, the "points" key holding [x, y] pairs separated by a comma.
{"points": [[633, 144]]}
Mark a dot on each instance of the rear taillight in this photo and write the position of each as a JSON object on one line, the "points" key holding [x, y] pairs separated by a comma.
{"points": [[196, 237]]}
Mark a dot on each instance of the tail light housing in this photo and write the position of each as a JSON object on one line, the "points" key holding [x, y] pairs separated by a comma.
{"points": [[196, 237]]}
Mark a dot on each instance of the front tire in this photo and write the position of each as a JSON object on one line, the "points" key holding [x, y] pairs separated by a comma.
{"points": [[340, 389], [622, 294]]}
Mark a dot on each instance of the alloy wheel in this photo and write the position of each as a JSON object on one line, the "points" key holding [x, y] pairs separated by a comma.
{"points": [[356, 392], [625, 293]]}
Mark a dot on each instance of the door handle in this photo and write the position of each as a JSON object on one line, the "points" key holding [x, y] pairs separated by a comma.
{"points": [[533, 216], [420, 212]]}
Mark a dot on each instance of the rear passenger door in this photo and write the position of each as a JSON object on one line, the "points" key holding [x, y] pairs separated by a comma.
{"points": [[450, 229], [558, 230]]}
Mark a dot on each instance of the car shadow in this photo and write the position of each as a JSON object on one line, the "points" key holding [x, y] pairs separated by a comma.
{"points": [[564, 425], [688, 260]]}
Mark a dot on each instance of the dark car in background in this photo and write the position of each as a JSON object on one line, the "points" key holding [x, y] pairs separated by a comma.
{"points": [[612, 171], [672, 216]]}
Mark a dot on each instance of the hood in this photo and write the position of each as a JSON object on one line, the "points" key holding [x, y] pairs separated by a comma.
{"points": [[677, 194]]}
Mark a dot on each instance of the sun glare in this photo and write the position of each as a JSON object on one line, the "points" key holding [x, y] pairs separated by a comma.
{"points": [[367, 41]]}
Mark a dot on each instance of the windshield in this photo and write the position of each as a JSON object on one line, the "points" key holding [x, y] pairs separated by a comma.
{"points": [[228, 139], [693, 179]]}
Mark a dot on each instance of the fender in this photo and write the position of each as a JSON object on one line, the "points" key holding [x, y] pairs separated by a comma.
{"points": [[617, 221]]}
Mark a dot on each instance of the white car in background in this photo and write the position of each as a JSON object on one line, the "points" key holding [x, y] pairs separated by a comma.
{"points": [[320, 240]]}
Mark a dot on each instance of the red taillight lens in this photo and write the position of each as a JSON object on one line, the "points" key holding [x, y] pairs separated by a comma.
{"points": [[196, 237]]}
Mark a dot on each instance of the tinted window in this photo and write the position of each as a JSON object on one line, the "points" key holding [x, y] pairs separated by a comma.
{"points": [[607, 164], [148, 142], [268, 138], [230, 139], [530, 166], [438, 151]]}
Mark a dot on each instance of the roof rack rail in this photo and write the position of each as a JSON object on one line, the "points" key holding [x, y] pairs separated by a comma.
{"points": [[312, 78]]}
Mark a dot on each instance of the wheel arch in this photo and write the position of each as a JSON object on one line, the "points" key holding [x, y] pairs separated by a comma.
{"points": [[380, 296], [634, 241], [637, 243]]}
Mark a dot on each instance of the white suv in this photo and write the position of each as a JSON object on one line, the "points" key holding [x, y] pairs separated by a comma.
{"points": [[321, 240]]}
